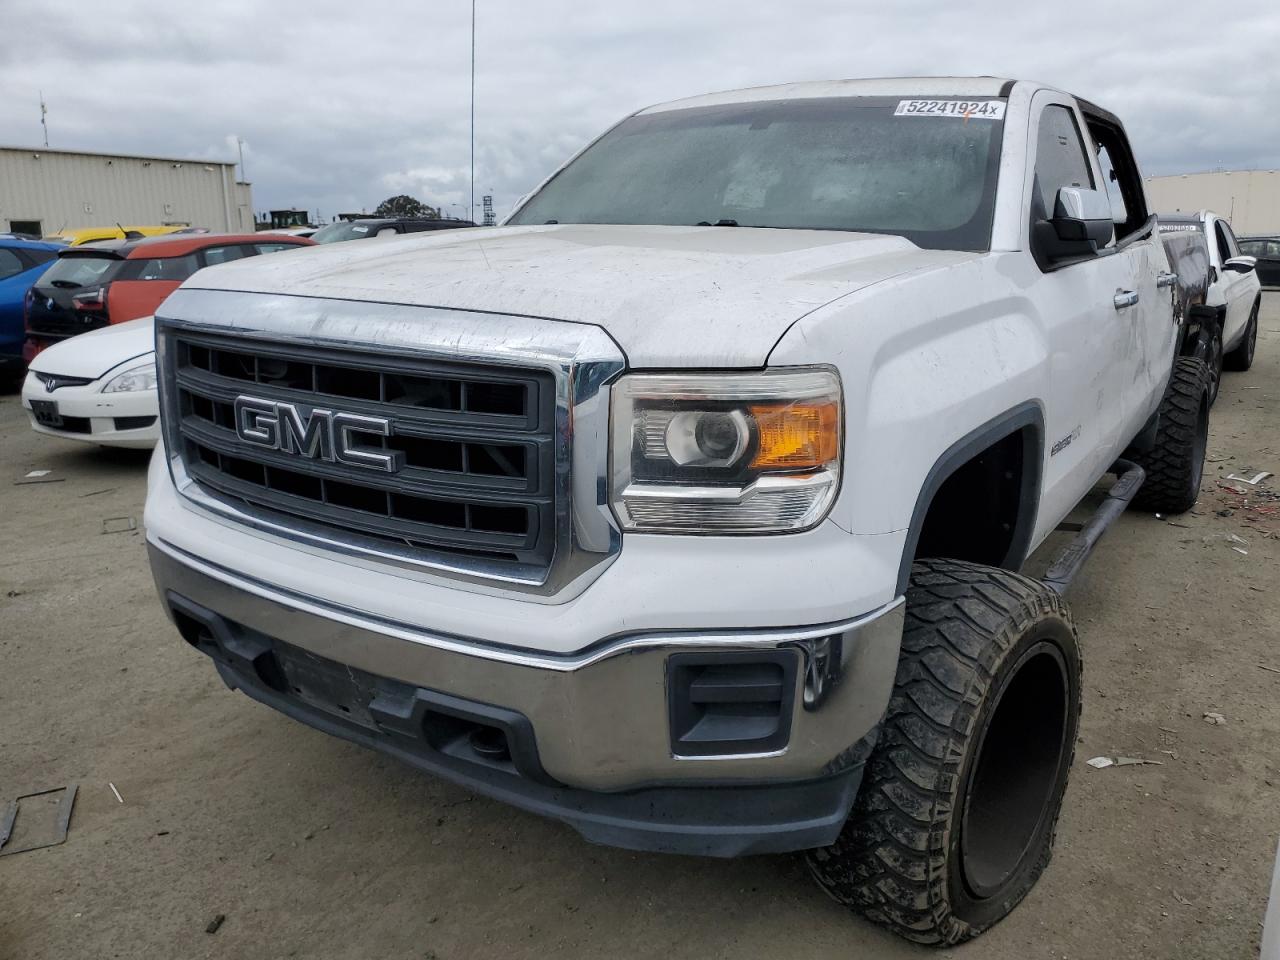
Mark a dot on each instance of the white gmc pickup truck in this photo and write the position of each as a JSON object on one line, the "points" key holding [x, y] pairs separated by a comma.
{"points": [[687, 506]]}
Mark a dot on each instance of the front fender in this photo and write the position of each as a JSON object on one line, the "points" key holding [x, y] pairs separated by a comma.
{"points": [[927, 362]]}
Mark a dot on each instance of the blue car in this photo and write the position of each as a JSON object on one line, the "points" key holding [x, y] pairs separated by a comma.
{"points": [[21, 264]]}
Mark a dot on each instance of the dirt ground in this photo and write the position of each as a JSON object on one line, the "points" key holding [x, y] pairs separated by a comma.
{"points": [[312, 847]]}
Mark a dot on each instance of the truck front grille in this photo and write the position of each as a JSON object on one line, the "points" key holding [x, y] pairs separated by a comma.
{"points": [[473, 444]]}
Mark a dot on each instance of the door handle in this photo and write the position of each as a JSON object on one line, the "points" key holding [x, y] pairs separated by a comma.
{"points": [[1126, 298], [1166, 279]]}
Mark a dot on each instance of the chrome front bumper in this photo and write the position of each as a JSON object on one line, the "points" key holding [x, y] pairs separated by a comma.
{"points": [[597, 721]]}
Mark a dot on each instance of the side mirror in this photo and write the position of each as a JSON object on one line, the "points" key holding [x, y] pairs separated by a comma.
{"points": [[1241, 264], [1083, 215], [1081, 225]]}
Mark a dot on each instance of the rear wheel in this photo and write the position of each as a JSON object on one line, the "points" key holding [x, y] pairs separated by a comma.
{"points": [[956, 816], [1175, 463], [1241, 358]]}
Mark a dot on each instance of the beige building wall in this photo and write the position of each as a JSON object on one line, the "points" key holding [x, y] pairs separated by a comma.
{"points": [[63, 189], [1250, 199]]}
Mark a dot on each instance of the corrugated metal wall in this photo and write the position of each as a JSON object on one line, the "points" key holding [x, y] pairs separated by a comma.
{"points": [[69, 190], [1250, 199]]}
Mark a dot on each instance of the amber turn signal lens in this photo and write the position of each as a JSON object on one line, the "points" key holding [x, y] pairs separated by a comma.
{"points": [[796, 436]]}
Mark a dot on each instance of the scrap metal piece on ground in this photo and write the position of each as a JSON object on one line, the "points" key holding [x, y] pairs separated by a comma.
{"points": [[61, 822], [40, 478], [119, 525], [6, 822], [1100, 763], [1253, 481]]}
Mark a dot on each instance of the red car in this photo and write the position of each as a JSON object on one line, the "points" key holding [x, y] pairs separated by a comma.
{"points": [[92, 286]]}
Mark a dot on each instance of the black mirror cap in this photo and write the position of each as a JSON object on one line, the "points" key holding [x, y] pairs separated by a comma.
{"points": [[1067, 238]]}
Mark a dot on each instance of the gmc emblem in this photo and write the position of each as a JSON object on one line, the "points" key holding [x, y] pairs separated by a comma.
{"points": [[317, 435]]}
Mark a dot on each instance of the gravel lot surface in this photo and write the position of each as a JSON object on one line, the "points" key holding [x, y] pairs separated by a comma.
{"points": [[312, 847]]}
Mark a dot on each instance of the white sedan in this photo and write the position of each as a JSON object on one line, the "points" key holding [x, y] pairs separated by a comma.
{"points": [[99, 387]]}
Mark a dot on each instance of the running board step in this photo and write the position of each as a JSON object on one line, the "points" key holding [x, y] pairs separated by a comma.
{"points": [[1067, 564]]}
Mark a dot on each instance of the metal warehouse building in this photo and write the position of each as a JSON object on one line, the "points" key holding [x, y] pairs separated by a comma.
{"points": [[43, 191], [1250, 199]]}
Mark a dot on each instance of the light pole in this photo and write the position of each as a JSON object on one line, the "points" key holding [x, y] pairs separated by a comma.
{"points": [[472, 208]]}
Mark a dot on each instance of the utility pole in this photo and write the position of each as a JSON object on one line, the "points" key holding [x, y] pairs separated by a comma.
{"points": [[43, 122], [472, 208]]}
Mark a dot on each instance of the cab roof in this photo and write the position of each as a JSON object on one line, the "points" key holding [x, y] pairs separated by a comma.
{"points": [[13, 242], [878, 87]]}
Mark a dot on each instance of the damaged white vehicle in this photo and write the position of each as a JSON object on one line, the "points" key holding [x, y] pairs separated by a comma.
{"points": [[687, 507]]}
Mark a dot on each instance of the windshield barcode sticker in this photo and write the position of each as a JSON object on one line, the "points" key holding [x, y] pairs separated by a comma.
{"points": [[968, 109]]}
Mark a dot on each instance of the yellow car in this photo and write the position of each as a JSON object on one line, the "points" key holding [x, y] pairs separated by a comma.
{"points": [[83, 235]]}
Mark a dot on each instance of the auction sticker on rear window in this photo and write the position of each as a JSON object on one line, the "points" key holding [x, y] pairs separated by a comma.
{"points": [[968, 109]]}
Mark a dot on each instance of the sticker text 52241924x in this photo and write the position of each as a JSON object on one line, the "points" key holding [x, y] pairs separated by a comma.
{"points": [[967, 109]]}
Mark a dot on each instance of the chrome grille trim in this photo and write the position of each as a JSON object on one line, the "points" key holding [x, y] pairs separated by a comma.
{"points": [[562, 431]]}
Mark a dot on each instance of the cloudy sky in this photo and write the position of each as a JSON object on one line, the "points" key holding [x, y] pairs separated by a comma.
{"points": [[342, 104]]}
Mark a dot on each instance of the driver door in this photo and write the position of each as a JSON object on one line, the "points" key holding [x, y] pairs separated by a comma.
{"points": [[1089, 309]]}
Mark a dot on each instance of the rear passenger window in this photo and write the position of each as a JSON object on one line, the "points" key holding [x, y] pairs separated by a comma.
{"points": [[1061, 160], [275, 247], [168, 268], [10, 264], [216, 255]]}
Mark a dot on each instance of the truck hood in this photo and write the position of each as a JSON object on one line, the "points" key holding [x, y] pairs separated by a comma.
{"points": [[94, 353], [669, 296]]}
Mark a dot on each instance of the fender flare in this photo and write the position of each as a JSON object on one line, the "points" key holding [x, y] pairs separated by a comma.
{"points": [[1027, 417]]}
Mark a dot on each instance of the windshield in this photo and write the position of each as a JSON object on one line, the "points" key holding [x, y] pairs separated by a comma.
{"points": [[869, 164], [70, 272], [342, 231]]}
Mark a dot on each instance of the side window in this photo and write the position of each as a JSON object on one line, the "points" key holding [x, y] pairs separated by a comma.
{"points": [[1061, 160], [1123, 181], [1220, 236], [216, 255], [1111, 180], [168, 268], [1230, 237], [10, 264], [274, 247]]}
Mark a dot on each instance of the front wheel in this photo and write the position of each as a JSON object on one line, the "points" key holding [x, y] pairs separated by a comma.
{"points": [[959, 804], [1214, 361]]}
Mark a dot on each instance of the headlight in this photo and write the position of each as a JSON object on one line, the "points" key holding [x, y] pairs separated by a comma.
{"points": [[131, 381], [725, 453]]}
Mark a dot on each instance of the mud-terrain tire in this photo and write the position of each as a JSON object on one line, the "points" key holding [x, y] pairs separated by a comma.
{"points": [[1241, 357], [959, 803], [1175, 463]]}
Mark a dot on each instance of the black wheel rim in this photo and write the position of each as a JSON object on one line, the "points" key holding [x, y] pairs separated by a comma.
{"points": [[1013, 781], [1215, 367], [1253, 333]]}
